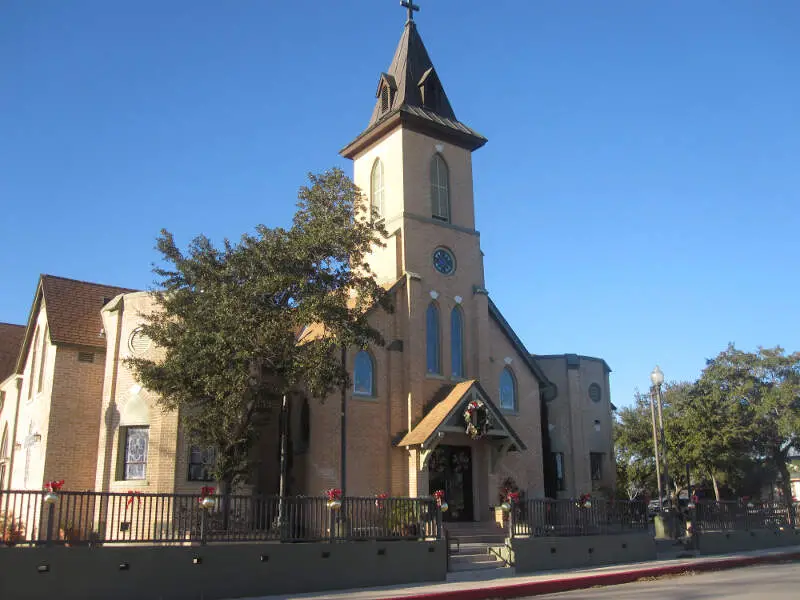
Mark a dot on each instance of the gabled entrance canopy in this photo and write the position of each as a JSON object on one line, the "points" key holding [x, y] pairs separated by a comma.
{"points": [[446, 417]]}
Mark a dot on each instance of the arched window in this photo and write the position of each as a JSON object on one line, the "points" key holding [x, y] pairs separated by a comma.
{"points": [[43, 360], [508, 390], [440, 192], [376, 200], [364, 374], [432, 337], [34, 352], [456, 343]]}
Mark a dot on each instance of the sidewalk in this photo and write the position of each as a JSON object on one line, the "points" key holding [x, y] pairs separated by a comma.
{"points": [[475, 585]]}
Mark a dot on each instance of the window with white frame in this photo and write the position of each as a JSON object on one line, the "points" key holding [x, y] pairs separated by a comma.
{"points": [[508, 390], [363, 374], [136, 441]]}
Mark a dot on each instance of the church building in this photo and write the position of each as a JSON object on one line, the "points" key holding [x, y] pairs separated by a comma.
{"points": [[453, 401]]}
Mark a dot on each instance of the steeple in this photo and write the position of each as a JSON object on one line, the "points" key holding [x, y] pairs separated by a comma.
{"points": [[410, 93]]}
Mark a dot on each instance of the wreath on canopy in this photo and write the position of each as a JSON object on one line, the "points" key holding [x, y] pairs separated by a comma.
{"points": [[478, 419]]}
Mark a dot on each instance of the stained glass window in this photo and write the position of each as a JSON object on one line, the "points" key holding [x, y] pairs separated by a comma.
{"points": [[432, 339], [456, 343], [508, 390], [363, 381], [136, 442]]}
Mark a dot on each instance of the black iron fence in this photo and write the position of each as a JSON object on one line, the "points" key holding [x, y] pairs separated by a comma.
{"points": [[97, 518], [575, 518], [741, 516]]}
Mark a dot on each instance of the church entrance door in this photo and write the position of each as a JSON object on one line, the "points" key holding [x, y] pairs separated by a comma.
{"points": [[450, 469]]}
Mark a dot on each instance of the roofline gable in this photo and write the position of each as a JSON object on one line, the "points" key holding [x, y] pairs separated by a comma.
{"points": [[546, 387]]}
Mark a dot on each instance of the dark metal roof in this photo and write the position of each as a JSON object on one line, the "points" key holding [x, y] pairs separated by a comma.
{"points": [[412, 70]]}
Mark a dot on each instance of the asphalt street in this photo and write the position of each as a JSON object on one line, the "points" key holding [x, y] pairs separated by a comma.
{"points": [[766, 582]]}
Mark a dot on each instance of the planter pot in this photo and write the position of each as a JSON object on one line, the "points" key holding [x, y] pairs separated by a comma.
{"points": [[334, 504]]}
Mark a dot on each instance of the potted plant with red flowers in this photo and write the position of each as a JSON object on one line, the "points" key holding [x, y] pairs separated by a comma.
{"points": [[334, 496], [206, 499], [52, 488]]}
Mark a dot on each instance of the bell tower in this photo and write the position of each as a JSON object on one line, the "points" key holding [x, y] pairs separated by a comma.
{"points": [[413, 163]]}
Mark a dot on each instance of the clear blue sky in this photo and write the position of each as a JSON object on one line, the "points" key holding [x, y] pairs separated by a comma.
{"points": [[637, 199]]}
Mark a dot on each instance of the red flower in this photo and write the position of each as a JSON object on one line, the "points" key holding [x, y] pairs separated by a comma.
{"points": [[439, 495], [379, 498], [54, 486], [513, 497], [207, 490], [333, 494]]}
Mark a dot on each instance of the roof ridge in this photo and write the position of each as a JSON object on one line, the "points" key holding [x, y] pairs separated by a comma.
{"points": [[49, 276], [12, 324]]}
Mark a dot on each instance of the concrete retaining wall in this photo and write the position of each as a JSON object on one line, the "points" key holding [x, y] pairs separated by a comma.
{"points": [[214, 572], [545, 553], [719, 542]]}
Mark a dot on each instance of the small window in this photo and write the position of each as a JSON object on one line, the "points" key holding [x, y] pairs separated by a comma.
{"points": [[86, 357], [376, 185], [386, 100], [558, 461], [508, 390], [135, 457], [201, 461], [596, 465], [456, 343], [363, 375], [595, 393], [440, 193], [432, 337]]}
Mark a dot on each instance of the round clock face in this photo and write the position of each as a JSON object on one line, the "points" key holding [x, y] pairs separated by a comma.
{"points": [[444, 261]]}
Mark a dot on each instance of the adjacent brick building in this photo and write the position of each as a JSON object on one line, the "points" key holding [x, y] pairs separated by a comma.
{"points": [[453, 401]]}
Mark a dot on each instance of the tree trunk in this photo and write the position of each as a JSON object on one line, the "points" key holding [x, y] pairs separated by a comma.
{"points": [[716, 486]]}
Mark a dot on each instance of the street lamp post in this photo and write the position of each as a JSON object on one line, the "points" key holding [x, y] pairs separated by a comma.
{"points": [[656, 452], [657, 379]]}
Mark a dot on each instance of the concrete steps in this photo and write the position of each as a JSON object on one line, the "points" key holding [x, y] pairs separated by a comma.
{"points": [[475, 533], [470, 545]]}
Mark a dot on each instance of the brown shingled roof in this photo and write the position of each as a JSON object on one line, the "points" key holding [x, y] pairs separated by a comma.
{"points": [[438, 414], [73, 309], [11, 337]]}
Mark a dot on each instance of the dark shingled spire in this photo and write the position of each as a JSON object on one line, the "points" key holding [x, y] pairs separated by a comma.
{"points": [[411, 70], [410, 93]]}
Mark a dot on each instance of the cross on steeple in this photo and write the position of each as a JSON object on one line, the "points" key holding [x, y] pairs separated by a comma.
{"points": [[412, 8]]}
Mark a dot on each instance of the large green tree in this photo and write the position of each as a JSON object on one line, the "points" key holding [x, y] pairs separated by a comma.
{"points": [[764, 388], [230, 317]]}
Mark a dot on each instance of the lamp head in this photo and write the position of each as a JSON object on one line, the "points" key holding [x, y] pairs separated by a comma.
{"points": [[657, 376]]}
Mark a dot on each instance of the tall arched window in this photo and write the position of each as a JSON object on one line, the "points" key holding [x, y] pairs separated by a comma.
{"points": [[508, 390], [376, 201], [432, 337], [440, 191], [34, 352], [363, 374], [456, 343], [43, 360]]}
